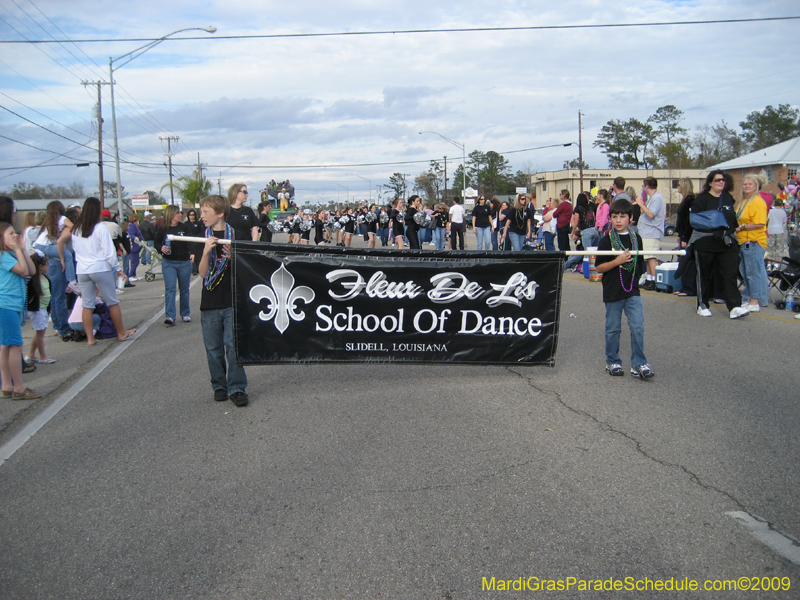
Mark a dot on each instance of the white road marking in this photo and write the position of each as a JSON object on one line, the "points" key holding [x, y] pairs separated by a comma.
{"points": [[8, 449], [785, 546]]}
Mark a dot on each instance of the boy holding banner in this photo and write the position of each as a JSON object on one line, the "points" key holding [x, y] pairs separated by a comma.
{"points": [[621, 290], [216, 304]]}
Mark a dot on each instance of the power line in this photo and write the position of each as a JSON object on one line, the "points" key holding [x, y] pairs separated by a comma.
{"points": [[51, 35], [5, 137], [41, 90], [144, 125], [64, 34], [36, 45], [333, 165], [44, 115], [43, 127], [414, 31]]}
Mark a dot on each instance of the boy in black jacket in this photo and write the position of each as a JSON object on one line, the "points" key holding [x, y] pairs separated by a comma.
{"points": [[621, 291], [216, 304]]}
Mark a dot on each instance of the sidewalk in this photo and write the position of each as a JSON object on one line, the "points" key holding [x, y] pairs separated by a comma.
{"points": [[138, 304]]}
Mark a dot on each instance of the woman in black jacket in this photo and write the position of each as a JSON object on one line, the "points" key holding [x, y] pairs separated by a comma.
{"points": [[264, 220], [412, 227], [177, 264], [716, 247], [195, 228], [684, 230], [397, 222]]}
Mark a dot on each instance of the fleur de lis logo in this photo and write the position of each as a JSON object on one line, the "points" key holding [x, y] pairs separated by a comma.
{"points": [[282, 298]]}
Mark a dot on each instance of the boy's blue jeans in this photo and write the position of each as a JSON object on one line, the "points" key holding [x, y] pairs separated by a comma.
{"points": [[226, 373], [634, 311]]}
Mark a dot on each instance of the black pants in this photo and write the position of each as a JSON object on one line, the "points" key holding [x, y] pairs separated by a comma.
{"points": [[727, 261], [412, 238], [456, 231], [563, 238]]}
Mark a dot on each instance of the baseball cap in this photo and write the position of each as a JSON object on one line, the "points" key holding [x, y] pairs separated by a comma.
{"points": [[106, 213]]}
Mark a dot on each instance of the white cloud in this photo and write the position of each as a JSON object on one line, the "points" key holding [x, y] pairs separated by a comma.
{"points": [[362, 99]]}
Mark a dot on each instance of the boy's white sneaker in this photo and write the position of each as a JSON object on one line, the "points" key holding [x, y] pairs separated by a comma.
{"points": [[739, 312], [703, 311], [615, 369], [642, 371]]}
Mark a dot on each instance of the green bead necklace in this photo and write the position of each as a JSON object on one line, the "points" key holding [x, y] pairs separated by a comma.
{"points": [[616, 244]]}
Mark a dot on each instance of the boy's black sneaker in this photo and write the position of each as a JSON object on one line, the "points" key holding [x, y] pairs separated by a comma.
{"points": [[642, 372], [240, 399], [220, 395], [615, 370], [169, 322], [649, 285]]}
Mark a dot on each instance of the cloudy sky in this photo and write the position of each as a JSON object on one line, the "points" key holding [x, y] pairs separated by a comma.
{"points": [[322, 111]]}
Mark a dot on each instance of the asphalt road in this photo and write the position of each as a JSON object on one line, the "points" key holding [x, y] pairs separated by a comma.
{"points": [[383, 481]]}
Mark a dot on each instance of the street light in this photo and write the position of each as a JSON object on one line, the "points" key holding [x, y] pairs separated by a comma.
{"points": [[221, 173], [369, 181], [111, 68], [346, 188], [463, 155]]}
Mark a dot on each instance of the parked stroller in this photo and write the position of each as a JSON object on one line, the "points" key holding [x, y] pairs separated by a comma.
{"points": [[155, 265], [784, 275]]}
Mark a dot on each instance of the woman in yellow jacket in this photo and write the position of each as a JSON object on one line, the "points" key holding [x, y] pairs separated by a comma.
{"points": [[751, 213]]}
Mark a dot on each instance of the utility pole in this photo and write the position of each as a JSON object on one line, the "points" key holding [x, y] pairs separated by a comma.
{"points": [[200, 177], [580, 148], [444, 197], [169, 139], [405, 189], [99, 116]]}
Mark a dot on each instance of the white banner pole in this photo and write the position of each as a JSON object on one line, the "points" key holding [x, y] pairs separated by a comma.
{"points": [[202, 240]]}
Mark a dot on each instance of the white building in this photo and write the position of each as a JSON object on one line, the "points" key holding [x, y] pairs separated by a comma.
{"points": [[549, 184]]}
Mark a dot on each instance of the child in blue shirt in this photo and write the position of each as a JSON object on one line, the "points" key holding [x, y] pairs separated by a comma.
{"points": [[15, 265]]}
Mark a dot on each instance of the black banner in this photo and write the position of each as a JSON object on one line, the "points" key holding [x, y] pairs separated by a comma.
{"points": [[328, 304]]}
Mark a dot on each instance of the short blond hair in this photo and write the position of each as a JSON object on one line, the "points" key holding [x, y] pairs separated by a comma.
{"points": [[219, 204]]}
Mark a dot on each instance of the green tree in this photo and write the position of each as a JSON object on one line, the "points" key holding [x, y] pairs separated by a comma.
{"points": [[425, 185], [155, 197], [437, 170], [626, 143], [51, 191], [639, 136], [666, 124], [716, 144], [397, 184], [612, 142], [521, 179], [458, 182], [476, 161], [110, 190], [771, 126], [191, 188], [494, 176], [27, 191], [674, 154], [575, 164]]}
